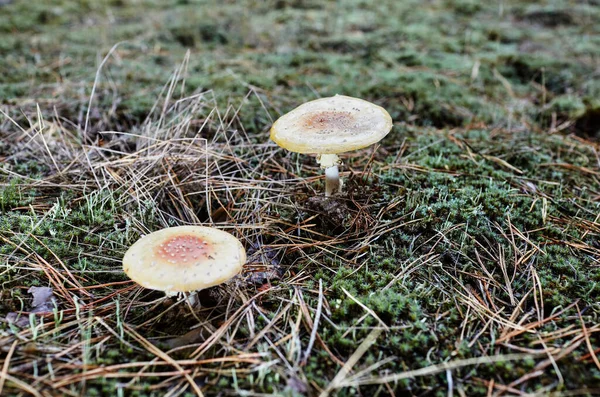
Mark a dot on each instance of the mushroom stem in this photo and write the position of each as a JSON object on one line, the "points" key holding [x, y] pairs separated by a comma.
{"points": [[192, 298], [332, 175], [332, 180]]}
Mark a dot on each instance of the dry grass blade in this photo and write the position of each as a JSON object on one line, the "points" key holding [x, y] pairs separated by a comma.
{"points": [[368, 310], [339, 380], [310, 326], [315, 327], [159, 353], [23, 386], [586, 336], [433, 369], [223, 329], [6, 365]]}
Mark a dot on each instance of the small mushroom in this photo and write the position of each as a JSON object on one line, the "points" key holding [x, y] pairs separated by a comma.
{"points": [[329, 126], [184, 259]]}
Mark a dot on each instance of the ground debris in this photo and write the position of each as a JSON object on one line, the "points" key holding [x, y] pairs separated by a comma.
{"points": [[43, 302], [335, 211]]}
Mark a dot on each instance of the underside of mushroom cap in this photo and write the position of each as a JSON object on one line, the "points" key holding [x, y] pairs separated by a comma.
{"points": [[184, 258], [331, 125]]}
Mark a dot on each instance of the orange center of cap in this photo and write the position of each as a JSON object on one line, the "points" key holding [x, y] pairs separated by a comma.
{"points": [[328, 120], [184, 250]]}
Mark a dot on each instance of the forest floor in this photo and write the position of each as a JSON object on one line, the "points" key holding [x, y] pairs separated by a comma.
{"points": [[462, 258]]}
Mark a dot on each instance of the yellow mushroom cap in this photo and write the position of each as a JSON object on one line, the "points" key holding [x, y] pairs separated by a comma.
{"points": [[184, 258], [331, 125]]}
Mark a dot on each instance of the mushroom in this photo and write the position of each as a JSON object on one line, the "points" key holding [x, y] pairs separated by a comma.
{"points": [[184, 259], [329, 126]]}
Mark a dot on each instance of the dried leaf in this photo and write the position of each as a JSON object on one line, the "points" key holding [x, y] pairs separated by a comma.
{"points": [[43, 299], [43, 302]]}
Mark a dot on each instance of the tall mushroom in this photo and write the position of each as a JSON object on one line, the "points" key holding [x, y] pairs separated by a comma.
{"points": [[184, 259], [329, 126]]}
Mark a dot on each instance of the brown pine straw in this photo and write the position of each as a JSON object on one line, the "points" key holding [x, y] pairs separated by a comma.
{"points": [[6, 365]]}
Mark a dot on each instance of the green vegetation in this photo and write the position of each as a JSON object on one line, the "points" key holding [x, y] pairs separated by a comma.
{"points": [[464, 253]]}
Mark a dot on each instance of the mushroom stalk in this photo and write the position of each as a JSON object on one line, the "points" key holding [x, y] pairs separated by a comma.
{"points": [[192, 298], [330, 162], [332, 180]]}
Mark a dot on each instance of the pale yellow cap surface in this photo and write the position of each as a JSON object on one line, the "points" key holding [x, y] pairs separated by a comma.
{"points": [[184, 258], [331, 125]]}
